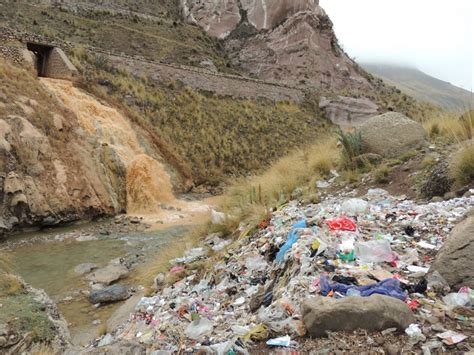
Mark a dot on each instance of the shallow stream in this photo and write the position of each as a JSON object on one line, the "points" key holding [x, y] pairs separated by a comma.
{"points": [[47, 260]]}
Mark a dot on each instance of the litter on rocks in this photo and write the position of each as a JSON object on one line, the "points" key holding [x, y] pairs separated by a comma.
{"points": [[252, 288], [451, 337]]}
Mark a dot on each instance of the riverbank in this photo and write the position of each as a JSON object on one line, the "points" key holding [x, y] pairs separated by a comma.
{"points": [[53, 260], [260, 286]]}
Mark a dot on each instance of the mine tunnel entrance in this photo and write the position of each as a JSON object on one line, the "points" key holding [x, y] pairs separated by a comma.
{"points": [[42, 52]]}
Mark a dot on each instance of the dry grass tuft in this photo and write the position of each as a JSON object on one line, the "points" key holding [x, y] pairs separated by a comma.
{"points": [[451, 127], [251, 198], [462, 166]]}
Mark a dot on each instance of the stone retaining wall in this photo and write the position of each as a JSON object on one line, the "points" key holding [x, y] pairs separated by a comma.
{"points": [[196, 78]]}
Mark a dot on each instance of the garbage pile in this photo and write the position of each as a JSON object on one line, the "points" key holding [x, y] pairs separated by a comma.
{"points": [[341, 247]]}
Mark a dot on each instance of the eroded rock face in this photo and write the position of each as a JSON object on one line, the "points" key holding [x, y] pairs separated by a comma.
{"points": [[291, 42], [372, 313], [348, 111]]}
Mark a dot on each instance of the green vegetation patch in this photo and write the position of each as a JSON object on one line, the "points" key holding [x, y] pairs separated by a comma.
{"points": [[25, 315], [217, 136]]}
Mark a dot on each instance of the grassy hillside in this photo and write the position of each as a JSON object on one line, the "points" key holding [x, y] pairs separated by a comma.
{"points": [[423, 87], [216, 136], [163, 38]]}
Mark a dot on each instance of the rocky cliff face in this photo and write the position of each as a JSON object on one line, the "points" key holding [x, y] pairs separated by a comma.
{"points": [[65, 156], [291, 42]]}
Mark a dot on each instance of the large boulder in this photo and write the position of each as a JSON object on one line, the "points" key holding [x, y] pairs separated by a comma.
{"points": [[438, 182], [108, 294], [455, 259], [391, 134], [377, 312]]}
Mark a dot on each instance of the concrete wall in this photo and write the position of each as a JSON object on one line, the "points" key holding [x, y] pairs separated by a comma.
{"points": [[58, 66]]}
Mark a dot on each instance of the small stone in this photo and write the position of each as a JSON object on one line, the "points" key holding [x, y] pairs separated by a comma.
{"points": [[96, 322], [85, 268]]}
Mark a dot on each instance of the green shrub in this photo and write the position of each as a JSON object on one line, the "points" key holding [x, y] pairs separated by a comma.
{"points": [[351, 143]]}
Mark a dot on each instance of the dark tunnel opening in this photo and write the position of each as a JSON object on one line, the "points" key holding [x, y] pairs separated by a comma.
{"points": [[42, 52]]}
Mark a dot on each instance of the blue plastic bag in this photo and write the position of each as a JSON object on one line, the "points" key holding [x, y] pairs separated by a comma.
{"points": [[292, 238], [387, 287]]}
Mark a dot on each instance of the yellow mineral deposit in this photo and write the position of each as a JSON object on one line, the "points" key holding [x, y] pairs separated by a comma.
{"points": [[148, 184]]}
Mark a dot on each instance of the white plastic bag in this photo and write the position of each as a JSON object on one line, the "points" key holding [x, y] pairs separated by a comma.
{"points": [[354, 206], [199, 328], [374, 251]]}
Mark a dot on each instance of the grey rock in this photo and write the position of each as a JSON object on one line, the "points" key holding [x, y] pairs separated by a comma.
{"points": [[159, 279], [348, 111], [454, 261], [85, 268], [391, 134], [377, 312], [108, 274], [449, 195], [49, 221], [108, 294]]}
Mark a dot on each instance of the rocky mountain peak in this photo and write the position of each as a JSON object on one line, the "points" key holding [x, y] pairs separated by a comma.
{"points": [[286, 41]]}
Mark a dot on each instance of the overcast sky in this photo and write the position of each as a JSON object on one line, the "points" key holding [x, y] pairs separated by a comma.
{"points": [[436, 36]]}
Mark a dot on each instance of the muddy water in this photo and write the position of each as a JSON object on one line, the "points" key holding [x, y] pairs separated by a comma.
{"points": [[47, 260], [148, 184]]}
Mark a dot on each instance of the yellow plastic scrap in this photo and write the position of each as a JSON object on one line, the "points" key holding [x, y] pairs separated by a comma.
{"points": [[316, 244], [258, 333]]}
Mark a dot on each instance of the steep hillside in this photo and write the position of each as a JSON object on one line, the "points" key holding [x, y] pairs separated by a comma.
{"points": [[218, 104], [65, 156], [162, 37], [422, 86]]}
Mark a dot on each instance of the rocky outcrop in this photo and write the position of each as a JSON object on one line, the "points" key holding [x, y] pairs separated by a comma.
{"points": [[372, 313], [391, 134], [348, 111], [290, 42], [454, 261], [65, 156]]}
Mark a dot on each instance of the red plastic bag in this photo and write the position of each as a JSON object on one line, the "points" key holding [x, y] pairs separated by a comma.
{"points": [[341, 224]]}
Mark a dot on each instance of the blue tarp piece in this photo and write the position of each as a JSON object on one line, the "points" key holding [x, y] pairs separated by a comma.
{"points": [[292, 238], [387, 287]]}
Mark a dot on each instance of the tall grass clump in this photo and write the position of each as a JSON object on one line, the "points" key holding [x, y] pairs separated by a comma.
{"points": [[451, 127], [351, 143], [252, 197], [462, 166]]}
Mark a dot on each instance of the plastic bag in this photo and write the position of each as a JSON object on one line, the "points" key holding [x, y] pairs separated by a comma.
{"points": [[354, 206], [341, 224], [374, 251], [199, 328], [388, 287], [414, 333], [292, 238], [457, 299], [256, 263]]}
